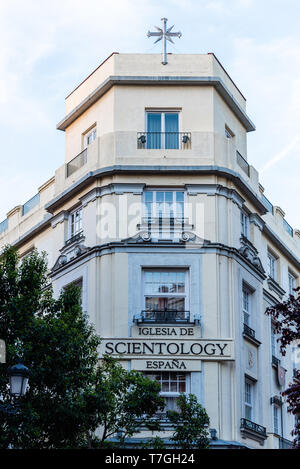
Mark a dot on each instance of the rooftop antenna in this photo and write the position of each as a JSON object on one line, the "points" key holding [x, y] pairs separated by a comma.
{"points": [[164, 34]]}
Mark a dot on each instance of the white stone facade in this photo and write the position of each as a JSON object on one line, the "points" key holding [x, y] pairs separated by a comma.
{"points": [[159, 217]]}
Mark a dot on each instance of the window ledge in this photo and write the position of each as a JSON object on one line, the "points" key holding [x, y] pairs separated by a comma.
{"points": [[251, 339]]}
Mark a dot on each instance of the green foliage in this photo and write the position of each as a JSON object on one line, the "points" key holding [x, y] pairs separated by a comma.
{"points": [[69, 394], [189, 424], [131, 401]]}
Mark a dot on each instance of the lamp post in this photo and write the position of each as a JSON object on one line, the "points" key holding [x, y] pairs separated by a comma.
{"points": [[18, 382]]}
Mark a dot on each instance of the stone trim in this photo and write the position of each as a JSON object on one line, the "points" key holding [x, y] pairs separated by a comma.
{"points": [[59, 218], [115, 188], [215, 189]]}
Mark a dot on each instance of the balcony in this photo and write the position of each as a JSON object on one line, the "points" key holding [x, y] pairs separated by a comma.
{"points": [[74, 238], [76, 163], [275, 361], [285, 444], [249, 334], [253, 430], [163, 317], [243, 164], [164, 140]]}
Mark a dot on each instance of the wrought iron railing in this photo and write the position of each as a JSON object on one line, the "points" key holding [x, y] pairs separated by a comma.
{"points": [[249, 332], [285, 444], [30, 204], [74, 238], [77, 162], [4, 225], [243, 163], [275, 361], [165, 316], [164, 140], [253, 427]]}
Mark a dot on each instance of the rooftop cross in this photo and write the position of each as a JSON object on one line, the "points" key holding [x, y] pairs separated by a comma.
{"points": [[165, 35]]}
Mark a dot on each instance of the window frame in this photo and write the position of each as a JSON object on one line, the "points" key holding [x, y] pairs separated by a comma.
{"points": [[163, 113], [87, 134], [272, 265], [155, 204], [246, 290], [294, 281], [185, 294], [277, 420], [274, 343], [172, 394], [245, 224], [71, 224], [249, 404]]}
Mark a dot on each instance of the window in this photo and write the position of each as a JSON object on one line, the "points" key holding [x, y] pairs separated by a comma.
{"points": [[247, 306], [244, 224], [162, 130], [292, 284], [171, 385], [75, 222], [273, 341], [276, 418], [89, 137], [164, 204], [165, 293], [272, 265], [249, 399]]}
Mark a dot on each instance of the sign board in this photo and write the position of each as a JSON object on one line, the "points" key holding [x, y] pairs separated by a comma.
{"points": [[168, 348], [174, 364], [2, 351], [166, 332]]}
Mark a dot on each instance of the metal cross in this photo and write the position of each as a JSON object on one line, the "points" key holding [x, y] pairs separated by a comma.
{"points": [[166, 35]]}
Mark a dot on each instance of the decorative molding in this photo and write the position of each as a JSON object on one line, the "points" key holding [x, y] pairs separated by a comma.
{"points": [[215, 189], [250, 253], [274, 286], [68, 254], [256, 220], [115, 188], [112, 80], [59, 218]]}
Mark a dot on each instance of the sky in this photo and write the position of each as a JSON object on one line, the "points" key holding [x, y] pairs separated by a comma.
{"points": [[48, 47]]}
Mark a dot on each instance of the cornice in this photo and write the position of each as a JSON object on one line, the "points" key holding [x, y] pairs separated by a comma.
{"points": [[229, 174], [216, 82]]}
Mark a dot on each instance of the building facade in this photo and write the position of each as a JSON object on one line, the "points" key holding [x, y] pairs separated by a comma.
{"points": [[158, 216]]}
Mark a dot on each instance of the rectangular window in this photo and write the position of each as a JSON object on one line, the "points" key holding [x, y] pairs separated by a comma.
{"points": [[273, 341], [164, 204], [75, 222], [249, 399], [172, 384], [165, 294], [162, 130], [228, 133], [292, 284], [244, 224], [276, 416], [78, 283], [89, 137], [247, 306], [272, 266]]}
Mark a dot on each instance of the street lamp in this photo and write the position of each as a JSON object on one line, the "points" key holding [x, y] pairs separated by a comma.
{"points": [[18, 380]]}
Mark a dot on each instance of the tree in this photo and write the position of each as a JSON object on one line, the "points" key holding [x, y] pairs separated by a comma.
{"points": [[189, 424], [131, 400], [286, 320], [69, 394]]}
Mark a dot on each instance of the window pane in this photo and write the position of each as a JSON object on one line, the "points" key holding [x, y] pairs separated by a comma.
{"points": [[153, 130], [171, 131]]}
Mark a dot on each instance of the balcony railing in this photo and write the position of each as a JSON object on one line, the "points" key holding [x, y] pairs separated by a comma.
{"points": [[243, 163], [249, 332], [275, 361], [4, 225], [74, 238], [77, 162], [30, 204], [268, 204], [253, 427], [168, 316], [285, 444], [287, 227], [164, 140]]}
